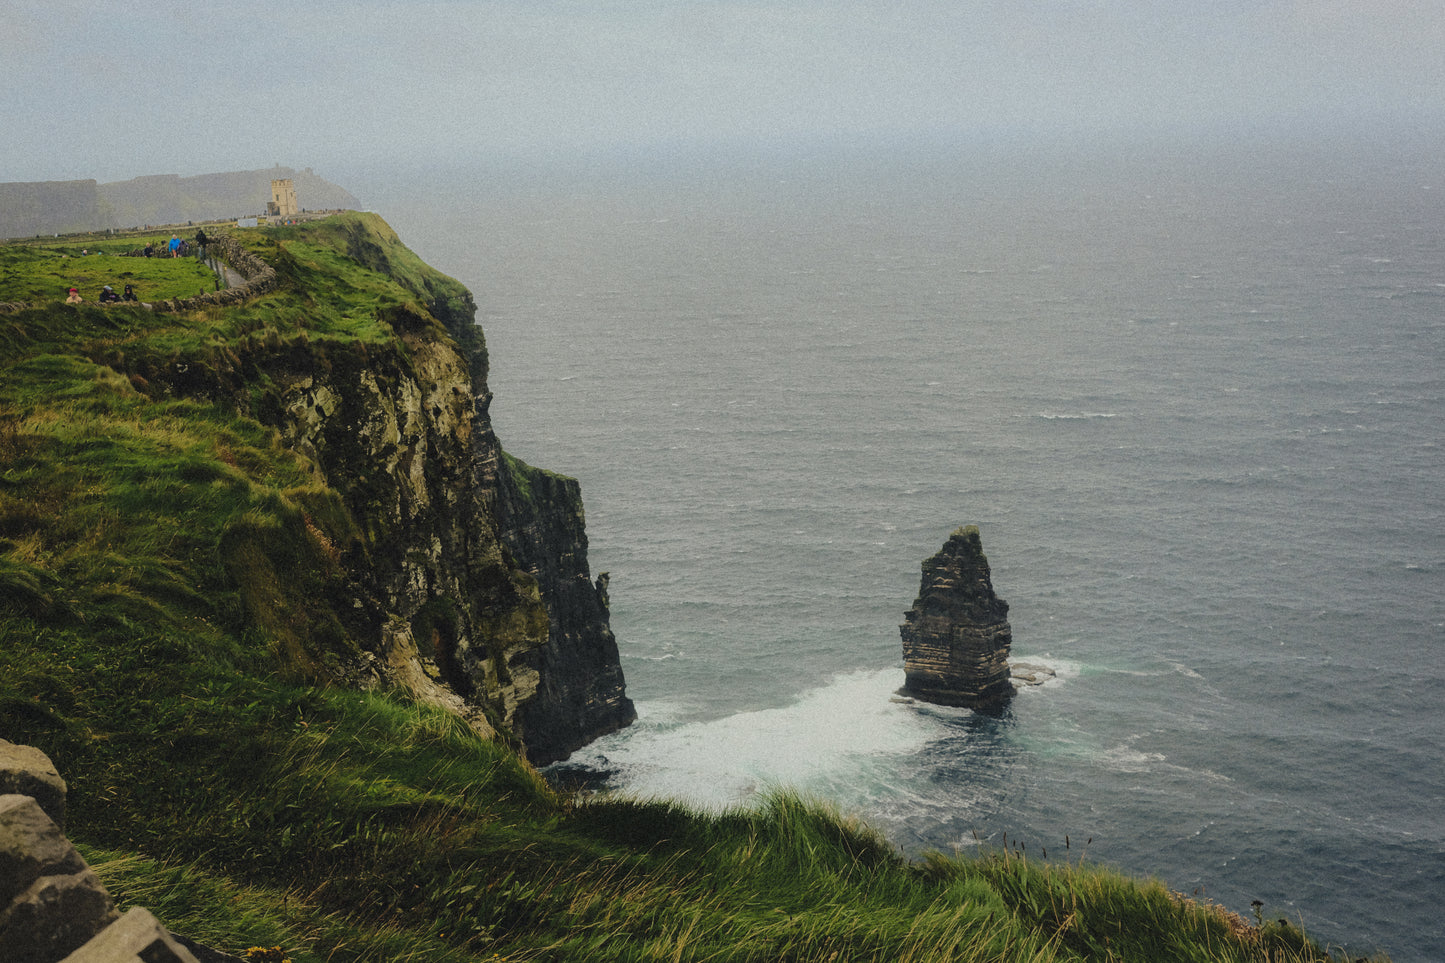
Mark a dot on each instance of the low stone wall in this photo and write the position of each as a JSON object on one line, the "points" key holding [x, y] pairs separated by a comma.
{"points": [[53, 908], [260, 277]]}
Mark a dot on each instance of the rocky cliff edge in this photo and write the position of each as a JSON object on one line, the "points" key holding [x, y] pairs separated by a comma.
{"points": [[416, 553]]}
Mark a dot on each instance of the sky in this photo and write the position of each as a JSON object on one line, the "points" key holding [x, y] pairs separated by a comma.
{"points": [[105, 90]]}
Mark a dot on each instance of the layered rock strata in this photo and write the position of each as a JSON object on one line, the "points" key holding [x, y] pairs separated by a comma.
{"points": [[581, 692], [484, 581], [461, 572], [956, 638]]}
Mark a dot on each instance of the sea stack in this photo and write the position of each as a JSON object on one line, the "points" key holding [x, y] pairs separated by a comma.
{"points": [[956, 637]]}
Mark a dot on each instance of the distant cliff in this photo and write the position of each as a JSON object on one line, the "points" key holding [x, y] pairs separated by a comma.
{"points": [[61, 207], [49, 207]]}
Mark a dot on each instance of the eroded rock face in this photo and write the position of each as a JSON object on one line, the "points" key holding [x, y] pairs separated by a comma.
{"points": [[435, 599], [477, 581], [477, 578], [424, 557], [956, 638], [581, 693]]}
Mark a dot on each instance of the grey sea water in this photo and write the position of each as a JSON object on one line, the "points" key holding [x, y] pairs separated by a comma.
{"points": [[1194, 404]]}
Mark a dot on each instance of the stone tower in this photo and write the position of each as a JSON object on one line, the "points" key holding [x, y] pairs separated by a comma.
{"points": [[283, 199]]}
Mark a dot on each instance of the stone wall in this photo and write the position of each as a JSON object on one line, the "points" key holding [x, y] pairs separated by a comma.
{"points": [[260, 278], [53, 908]]}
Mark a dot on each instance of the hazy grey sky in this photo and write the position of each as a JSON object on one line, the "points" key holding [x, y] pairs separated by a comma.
{"points": [[95, 88]]}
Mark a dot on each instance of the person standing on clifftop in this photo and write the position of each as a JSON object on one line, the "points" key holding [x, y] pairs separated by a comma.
{"points": [[175, 246], [201, 240]]}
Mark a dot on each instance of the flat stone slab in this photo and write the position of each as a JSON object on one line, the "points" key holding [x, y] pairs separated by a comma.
{"points": [[137, 937]]}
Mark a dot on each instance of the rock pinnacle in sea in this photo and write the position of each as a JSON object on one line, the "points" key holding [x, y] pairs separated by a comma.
{"points": [[956, 637]]}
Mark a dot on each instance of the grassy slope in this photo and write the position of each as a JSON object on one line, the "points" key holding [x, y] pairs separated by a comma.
{"points": [[34, 272], [215, 780]]}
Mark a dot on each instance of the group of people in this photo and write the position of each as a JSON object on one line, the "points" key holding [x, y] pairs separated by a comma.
{"points": [[178, 248], [107, 295]]}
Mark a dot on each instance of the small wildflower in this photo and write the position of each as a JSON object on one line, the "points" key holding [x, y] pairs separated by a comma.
{"points": [[266, 954]]}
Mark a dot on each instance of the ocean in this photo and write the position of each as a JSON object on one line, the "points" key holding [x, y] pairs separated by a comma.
{"points": [[1192, 398]]}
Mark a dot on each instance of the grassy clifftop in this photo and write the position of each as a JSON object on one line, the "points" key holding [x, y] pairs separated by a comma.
{"points": [[176, 633]]}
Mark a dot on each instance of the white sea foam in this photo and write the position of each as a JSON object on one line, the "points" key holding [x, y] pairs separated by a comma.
{"points": [[1062, 668], [1129, 759], [828, 735]]}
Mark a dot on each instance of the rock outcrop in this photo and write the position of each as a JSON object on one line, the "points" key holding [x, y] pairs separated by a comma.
{"points": [[956, 637], [581, 691], [462, 572]]}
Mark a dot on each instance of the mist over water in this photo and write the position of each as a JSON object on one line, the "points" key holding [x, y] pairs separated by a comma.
{"points": [[1193, 405]]}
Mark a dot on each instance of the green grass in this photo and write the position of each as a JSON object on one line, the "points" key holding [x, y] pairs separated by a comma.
{"points": [[172, 621], [33, 273]]}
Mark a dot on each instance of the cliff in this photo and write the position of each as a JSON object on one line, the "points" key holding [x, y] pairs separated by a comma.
{"points": [[266, 580], [48, 207], [416, 553], [956, 637], [29, 208]]}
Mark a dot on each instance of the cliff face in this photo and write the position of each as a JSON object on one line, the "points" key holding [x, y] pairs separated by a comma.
{"points": [[581, 690], [483, 589], [956, 638], [434, 560]]}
